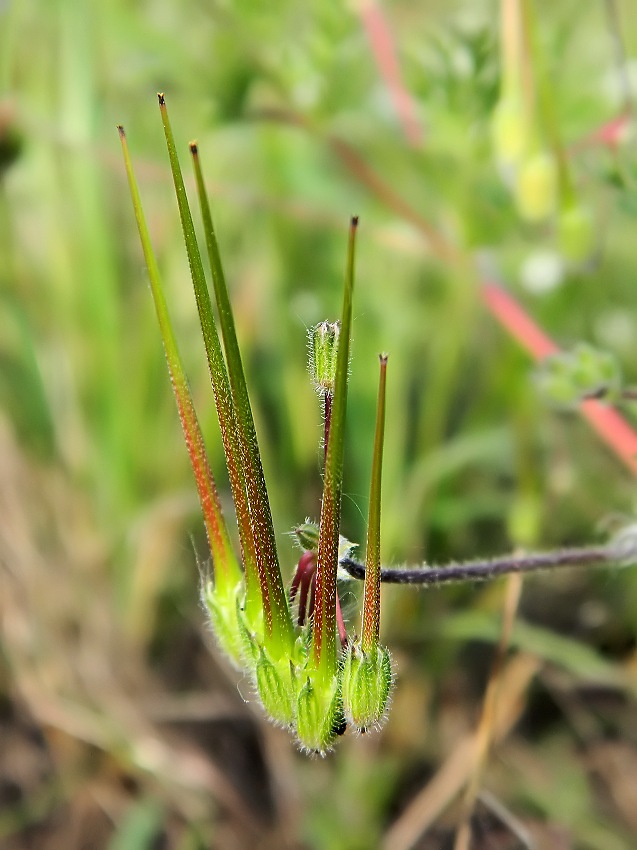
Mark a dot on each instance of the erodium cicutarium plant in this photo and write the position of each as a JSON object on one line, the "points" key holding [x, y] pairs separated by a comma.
{"points": [[309, 675]]}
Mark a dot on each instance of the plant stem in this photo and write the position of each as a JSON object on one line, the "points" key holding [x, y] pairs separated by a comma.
{"points": [[482, 570], [327, 419]]}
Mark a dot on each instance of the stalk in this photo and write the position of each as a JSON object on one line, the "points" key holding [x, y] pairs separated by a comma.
{"points": [[623, 552]]}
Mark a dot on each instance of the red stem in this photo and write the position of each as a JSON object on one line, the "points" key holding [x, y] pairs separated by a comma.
{"points": [[610, 426], [384, 51]]}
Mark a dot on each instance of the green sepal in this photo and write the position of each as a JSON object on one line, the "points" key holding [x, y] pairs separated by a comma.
{"points": [[367, 681], [222, 606], [275, 683], [319, 714], [251, 635]]}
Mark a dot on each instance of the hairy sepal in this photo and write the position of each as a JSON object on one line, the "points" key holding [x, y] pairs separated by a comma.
{"points": [[367, 682], [222, 603], [319, 713], [276, 686]]}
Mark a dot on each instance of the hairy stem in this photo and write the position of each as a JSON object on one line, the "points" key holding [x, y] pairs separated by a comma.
{"points": [[583, 556]]}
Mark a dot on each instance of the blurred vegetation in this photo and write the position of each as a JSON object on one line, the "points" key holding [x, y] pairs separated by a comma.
{"points": [[119, 727]]}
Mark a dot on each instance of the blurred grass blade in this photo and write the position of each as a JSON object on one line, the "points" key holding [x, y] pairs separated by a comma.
{"points": [[371, 605], [324, 633], [227, 570], [236, 418]]}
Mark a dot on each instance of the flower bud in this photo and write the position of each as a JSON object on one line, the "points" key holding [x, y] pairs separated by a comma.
{"points": [[307, 535], [275, 686], [319, 715], [323, 354], [536, 187], [366, 683]]}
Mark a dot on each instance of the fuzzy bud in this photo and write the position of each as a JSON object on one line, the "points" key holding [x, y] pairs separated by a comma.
{"points": [[323, 355], [367, 682], [307, 535]]}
